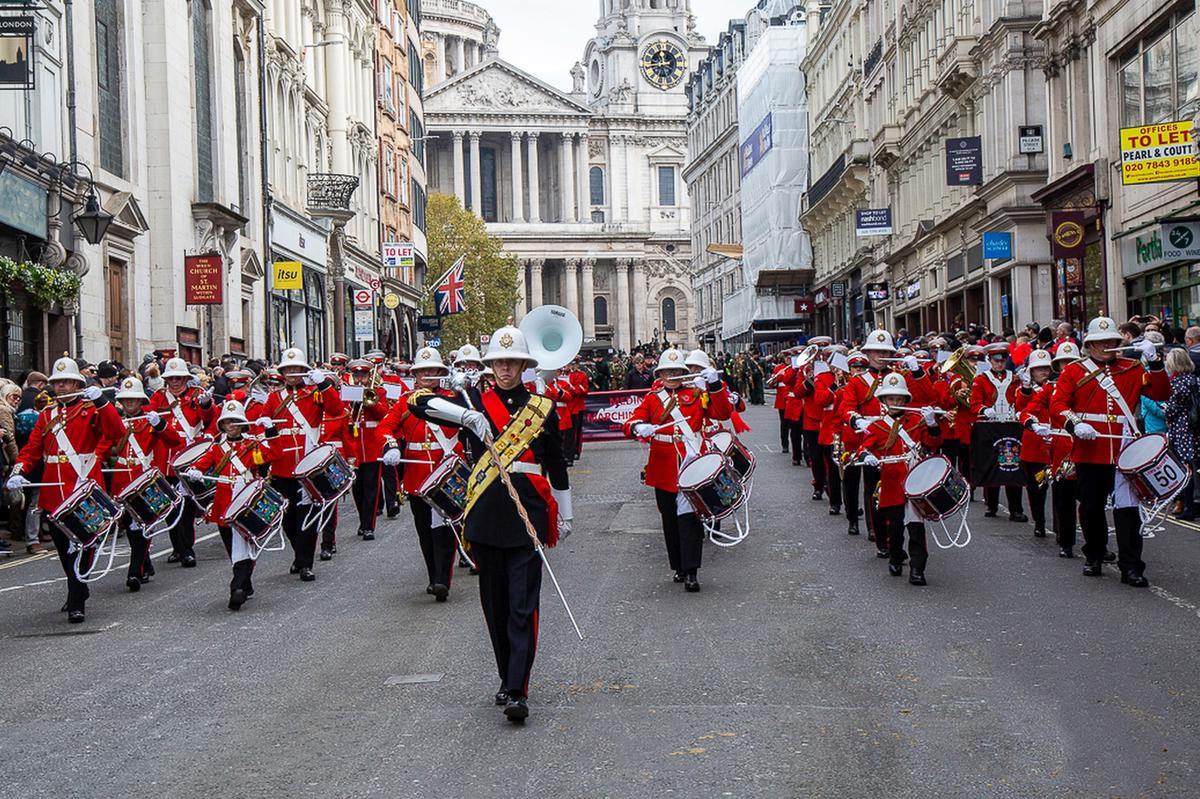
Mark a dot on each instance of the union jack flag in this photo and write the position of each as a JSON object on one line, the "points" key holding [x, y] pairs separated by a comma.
{"points": [[450, 293]]}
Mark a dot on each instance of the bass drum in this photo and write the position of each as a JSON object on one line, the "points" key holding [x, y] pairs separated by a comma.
{"points": [[935, 489], [712, 485]]}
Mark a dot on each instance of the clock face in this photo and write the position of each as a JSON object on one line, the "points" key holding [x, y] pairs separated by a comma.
{"points": [[663, 64]]}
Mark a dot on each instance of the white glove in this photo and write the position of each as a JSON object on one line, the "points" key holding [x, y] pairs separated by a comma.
{"points": [[315, 377], [92, 393], [16, 482], [564, 528], [267, 422], [1148, 350], [259, 396], [1026, 378], [1085, 432], [458, 382], [153, 418], [711, 375], [861, 425], [699, 382], [910, 363], [205, 399], [391, 457], [194, 474], [929, 416], [643, 430], [1042, 430], [989, 413], [869, 459], [478, 424]]}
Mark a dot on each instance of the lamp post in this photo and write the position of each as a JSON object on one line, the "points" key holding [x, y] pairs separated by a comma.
{"points": [[92, 221]]}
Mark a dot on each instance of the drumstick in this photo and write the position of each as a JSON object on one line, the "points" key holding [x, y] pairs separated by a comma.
{"points": [[1098, 435], [41, 485], [228, 480]]}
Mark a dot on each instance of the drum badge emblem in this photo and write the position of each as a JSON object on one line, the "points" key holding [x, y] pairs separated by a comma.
{"points": [[1008, 454]]}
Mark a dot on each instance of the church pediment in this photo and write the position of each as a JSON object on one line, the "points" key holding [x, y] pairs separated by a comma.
{"points": [[128, 220], [666, 152], [498, 87]]}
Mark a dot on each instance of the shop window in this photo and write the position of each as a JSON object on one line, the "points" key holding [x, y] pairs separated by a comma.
{"points": [[1157, 77]]}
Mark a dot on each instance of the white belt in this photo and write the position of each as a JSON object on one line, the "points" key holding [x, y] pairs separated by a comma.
{"points": [[668, 439], [1115, 418], [290, 431], [416, 447], [368, 425], [520, 467], [560, 404]]}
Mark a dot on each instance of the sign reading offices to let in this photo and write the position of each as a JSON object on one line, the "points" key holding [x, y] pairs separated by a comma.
{"points": [[873, 222], [287, 275], [203, 279], [1158, 153], [964, 161], [757, 145]]}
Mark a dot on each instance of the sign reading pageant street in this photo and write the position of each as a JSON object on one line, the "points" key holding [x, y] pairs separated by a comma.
{"points": [[1158, 153]]}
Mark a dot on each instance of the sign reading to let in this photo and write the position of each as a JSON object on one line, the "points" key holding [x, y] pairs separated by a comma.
{"points": [[203, 279], [287, 275], [1158, 153]]}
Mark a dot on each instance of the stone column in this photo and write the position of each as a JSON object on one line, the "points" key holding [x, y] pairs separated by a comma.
{"points": [[566, 173], [460, 181], [337, 79], [616, 178], [476, 175], [571, 278], [441, 61], [535, 282], [640, 298], [587, 305], [582, 185], [619, 315], [535, 199], [522, 298], [518, 198], [459, 55]]}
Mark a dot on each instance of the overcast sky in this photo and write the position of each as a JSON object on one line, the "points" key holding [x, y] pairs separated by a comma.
{"points": [[545, 37]]}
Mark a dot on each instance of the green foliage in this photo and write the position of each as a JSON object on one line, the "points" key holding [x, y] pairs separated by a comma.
{"points": [[44, 285], [491, 276]]}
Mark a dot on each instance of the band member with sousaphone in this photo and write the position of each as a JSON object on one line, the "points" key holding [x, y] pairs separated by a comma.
{"points": [[1096, 397], [421, 446], [891, 444], [511, 515], [64, 441], [993, 399], [143, 445], [189, 410], [671, 418], [364, 444], [308, 396], [234, 460]]}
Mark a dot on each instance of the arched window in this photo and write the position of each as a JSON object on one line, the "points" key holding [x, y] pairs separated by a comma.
{"points": [[668, 315], [600, 310], [596, 177]]}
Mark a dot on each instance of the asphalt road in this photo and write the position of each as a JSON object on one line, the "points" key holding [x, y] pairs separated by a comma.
{"points": [[801, 670]]}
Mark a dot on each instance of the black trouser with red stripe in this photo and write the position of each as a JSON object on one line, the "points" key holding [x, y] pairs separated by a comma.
{"points": [[1036, 493], [391, 487], [437, 543], [783, 430], [1064, 494], [242, 569], [893, 528], [812, 453], [796, 431], [366, 494], [303, 538], [183, 532], [510, 586], [77, 590], [329, 530], [577, 425], [684, 534]]}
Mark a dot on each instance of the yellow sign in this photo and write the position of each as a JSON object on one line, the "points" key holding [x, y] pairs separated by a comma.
{"points": [[391, 301], [1158, 153], [288, 275]]}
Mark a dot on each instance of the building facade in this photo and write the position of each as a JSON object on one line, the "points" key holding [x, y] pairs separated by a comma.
{"points": [[584, 187]]}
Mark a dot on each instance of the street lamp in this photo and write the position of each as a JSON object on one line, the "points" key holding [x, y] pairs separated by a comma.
{"points": [[92, 221]]}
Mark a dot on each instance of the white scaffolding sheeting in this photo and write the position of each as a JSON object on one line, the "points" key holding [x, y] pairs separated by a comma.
{"points": [[773, 125]]}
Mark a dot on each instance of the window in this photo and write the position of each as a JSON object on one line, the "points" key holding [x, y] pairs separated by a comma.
{"points": [[243, 141], [415, 78], [1158, 78], [417, 131], [387, 89], [418, 206], [668, 315], [666, 185], [402, 178], [202, 78], [596, 178], [109, 46], [600, 310], [414, 11]]}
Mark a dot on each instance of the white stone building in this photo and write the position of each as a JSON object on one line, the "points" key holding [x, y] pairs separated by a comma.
{"points": [[584, 187]]}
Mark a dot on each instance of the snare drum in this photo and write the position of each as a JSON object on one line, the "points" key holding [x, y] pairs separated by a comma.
{"points": [[935, 488], [87, 515], [739, 455], [150, 498], [1151, 468], [712, 485], [325, 474], [201, 491], [255, 511], [446, 488]]}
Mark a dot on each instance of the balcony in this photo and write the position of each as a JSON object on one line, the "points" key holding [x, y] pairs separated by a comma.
{"points": [[873, 58], [957, 68], [886, 146]]}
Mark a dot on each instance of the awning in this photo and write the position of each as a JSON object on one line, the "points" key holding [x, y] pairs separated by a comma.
{"points": [[726, 250], [770, 278]]}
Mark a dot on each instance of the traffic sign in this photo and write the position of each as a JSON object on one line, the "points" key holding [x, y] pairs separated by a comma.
{"points": [[363, 298]]}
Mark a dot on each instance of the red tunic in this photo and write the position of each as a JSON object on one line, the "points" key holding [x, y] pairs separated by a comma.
{"points": [[563, 394], [364, 442], [417, 442], [667, 449], [154, 445], [1080, 395], [85, 426], [858, 397], [984, 394], [247, 455], [781, 390], [194, 423], [878, 440], [579, 388], [292, 443], [1033, 406], [825, 398]]}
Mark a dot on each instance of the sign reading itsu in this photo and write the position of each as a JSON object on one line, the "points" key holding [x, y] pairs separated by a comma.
{"points": [[204, 281]]}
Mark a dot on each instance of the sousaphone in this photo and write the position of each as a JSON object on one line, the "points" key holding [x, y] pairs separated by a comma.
{"points": [[553, 334]]}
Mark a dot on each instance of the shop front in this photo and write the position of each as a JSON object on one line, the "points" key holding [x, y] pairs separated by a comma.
{"points": [[1075, 230], [298, 307], [1158, 282]]}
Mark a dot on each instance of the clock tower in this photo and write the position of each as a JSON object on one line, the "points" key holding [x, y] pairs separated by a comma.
{"points": [[641, 55]]}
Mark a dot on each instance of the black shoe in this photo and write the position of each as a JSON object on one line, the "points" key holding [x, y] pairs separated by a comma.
{"points": [[1039, 532], [916, 578], [870, 535], [1018, 517], [990, 514], [795, 462], [63, 609], [472, 570], [429, 589], [333, 548], [174, 557], [293, 569], [307, 575], [678, 577], [360, 532], [1066, 552], [393, 512], [75, 616], [502, 697], [818, 496], [133, 584], [368, 535], [1134, 580], [895, 569], [440, 592], [1110, 557], [149, 569], [326, 554], [145, 578], [853, 528], [1093, 569], [785, 450], [188, 562], [882, 553], [249, 591], [835, 511], [237, 597], [690, 583], [517, 710]]}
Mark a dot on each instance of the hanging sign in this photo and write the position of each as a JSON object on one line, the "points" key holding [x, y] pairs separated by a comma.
{"points": [[16, 46], [363, 298], [873, 222], [203, 279], [1158, 153], [964, 161], [1066, 236]]}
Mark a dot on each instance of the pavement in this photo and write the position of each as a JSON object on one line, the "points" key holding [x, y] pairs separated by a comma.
{"points": [[800, 670]]}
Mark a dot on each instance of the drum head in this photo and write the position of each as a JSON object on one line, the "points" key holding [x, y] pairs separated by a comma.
{"points": [[926, 475], [722, 441], [190, 454], [243, 497], [138, 483], [315, 459], [700, 470], [1142, 450]]}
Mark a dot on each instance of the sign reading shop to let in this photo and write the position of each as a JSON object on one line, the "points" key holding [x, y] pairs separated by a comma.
{"points": [[203, 279], [1158, 153]]}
